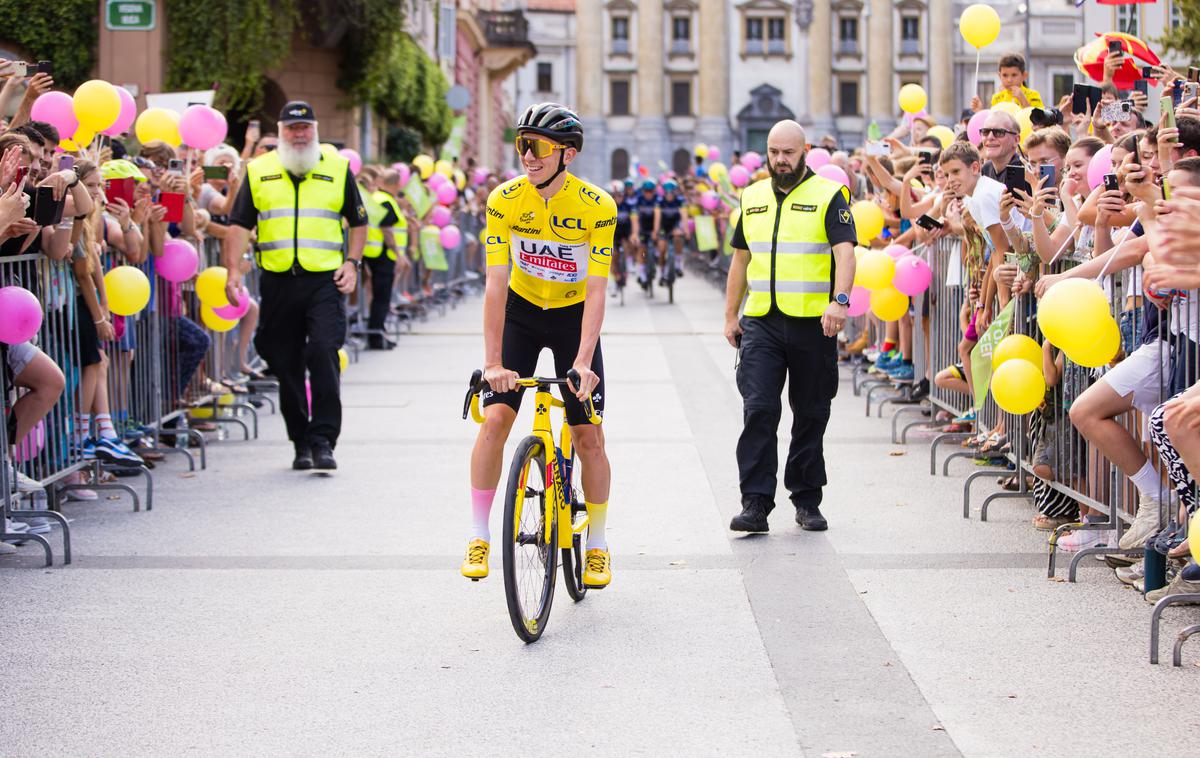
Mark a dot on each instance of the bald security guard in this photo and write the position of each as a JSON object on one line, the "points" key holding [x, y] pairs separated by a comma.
{"points": [[297, 197], [794, 256]]}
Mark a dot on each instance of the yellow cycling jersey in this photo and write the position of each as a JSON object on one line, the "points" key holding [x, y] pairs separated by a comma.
{"points": [[554, 245]]}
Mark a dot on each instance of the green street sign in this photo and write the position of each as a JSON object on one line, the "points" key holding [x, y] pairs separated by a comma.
{"points": [[129, 15]]}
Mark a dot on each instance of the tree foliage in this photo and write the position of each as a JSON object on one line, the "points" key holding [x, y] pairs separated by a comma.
{"points": [[1185, 38], [63, 32]]}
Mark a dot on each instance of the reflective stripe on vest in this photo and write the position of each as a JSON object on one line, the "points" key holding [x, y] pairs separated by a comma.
{"points": [[375, 234], [299, 225], [791, 260]]}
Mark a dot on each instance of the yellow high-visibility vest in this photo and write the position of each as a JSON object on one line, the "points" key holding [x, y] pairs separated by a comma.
{"points": [[375, 233], [299, 224], [791, 260]]}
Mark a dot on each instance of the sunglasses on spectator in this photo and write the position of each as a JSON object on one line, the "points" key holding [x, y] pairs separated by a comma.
{"points": [[539, 147], [989, 132]]}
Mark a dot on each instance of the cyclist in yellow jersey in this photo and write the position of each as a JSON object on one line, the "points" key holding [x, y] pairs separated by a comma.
{"points": [[555, 232]]}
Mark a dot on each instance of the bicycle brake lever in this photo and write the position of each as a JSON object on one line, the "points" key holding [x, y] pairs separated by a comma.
{"points": [[471, 390], [588, 410]]}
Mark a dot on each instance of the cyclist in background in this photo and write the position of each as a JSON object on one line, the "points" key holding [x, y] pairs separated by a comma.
{"points": [[645, 226], [671, 229], [623, 236], [557, 232]]}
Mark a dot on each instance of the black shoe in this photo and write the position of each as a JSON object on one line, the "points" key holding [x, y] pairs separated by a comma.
{"points": [[810, 519], [921, 390], [753, 517], [323, 457], [304, 459], [380, 343]]}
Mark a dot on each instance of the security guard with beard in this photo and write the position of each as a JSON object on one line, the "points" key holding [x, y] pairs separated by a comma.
{"points": [[297, 197], [793, 264]]}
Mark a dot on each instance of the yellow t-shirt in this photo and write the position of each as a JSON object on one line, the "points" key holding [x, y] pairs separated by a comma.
{"points": [[554, 245], [1031, 95]]}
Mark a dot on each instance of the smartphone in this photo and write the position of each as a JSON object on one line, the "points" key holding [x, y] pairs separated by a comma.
{"points": [[46, 210], [1190, 90], [65, 162], [928, 223], [120, 189], [253, 124], [1166, 188], [878, 148], [925, 156], [21, 172], [1142, 85], [1167, 104], [1084, 98], [1110, 183], [1194, 73], [1046, 172], [175, 165], [45, 67], [1114, 47], [1014, 179], [216, 172], [18, 69], [173, 202], [1114, 112], [1176, 93], [1148, 72]]}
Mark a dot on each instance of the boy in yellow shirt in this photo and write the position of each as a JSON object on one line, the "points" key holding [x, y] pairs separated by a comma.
{"points": [[1012, 84]]}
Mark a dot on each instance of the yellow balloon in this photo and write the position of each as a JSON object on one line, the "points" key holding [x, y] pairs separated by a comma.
{"points": [[1072, 312], [460, 179], [158, 124], [875, 270], [96, 104], [83, 136], [913, 98], [343, 358], [210, 286], [868, 220], [1008, 107], [734, 216], [445, 168], [128, 290], [701, 150], [889, 303], [215, 322], [424, 165], [1017, 346], [68, 146], [1103, 341], [717, 170], [979, 25], [1194, 545], [944, 134], [1018, 386]]}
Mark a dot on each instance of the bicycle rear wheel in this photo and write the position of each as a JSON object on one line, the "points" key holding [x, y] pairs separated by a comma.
{"points": [[529, 561]]}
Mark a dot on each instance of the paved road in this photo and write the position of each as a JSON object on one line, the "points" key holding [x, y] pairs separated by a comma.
{"points": [[259, 611]]}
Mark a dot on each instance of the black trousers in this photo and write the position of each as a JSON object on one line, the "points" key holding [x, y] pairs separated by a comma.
{"points": [[774, 348], [383, 270], [301, 326]]}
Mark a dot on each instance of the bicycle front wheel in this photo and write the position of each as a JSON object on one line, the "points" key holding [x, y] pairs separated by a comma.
{"points": [[529, 559]]}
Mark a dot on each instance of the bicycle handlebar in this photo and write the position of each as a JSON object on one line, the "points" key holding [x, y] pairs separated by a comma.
{"points": [[477, 385]]}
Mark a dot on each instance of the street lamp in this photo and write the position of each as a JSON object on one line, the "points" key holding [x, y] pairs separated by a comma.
{"points": [[1024, 11]]}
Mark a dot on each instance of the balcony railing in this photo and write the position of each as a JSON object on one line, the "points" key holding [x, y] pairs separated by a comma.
{"points": [[504, 28]]}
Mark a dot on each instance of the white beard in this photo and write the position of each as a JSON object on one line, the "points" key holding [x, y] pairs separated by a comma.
{"points": [[299, 162]]}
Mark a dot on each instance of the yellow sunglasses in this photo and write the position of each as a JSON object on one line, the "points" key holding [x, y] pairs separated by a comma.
{"points": [[539, 147]]}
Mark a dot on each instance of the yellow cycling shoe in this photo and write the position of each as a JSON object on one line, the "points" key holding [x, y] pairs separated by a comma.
{"points": [[597, 572], [475, 565]]}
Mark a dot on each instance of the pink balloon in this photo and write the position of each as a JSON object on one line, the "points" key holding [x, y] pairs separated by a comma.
{"points": [[20, 315], [435, 181], [833, 173], [691, 225], [233, 312], [1101, 164], [752, 161], [352, 155], [451, 237], [709, 201], [202, 127], [480, 176], [739, 176], [974, 125], [178, 262], [405, 173], [33, 443], [817, 157], [126, 117], [440, 216], [897, 251], [913, 275], [860, 301], [714, 153], [58, 110], [447, 194]]}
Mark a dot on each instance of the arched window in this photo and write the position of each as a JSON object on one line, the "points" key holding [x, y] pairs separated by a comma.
{"points": [[620, 163], [681, 162]]}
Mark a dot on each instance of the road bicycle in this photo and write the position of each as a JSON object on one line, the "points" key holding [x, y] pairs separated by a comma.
{"points": [[544, 514]]}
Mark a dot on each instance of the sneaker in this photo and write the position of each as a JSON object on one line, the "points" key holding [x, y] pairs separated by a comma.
{"points": [[888, 361], [904, 372], [322, 454], [920, 390], [15, 527], [597, 572], [753, 517], [966, 418], [87, 449], [34, 524], [1144, 526], [113, 450], [1178, 586], [1131, 575], [810, 519], [303, 460], [82, 495], [858, 346], [22, 483], [1082, 539], [475, 564], [7, 549]]}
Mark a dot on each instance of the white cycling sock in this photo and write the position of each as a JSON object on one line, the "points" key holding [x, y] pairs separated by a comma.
{"points": [[1148, 482], [481, 508]]}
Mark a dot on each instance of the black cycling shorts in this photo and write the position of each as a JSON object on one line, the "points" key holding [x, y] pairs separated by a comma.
{"points": [[528, 329]]}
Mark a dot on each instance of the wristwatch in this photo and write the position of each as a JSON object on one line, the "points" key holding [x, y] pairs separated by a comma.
{"points": [[357, 263], [842, 299]]}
